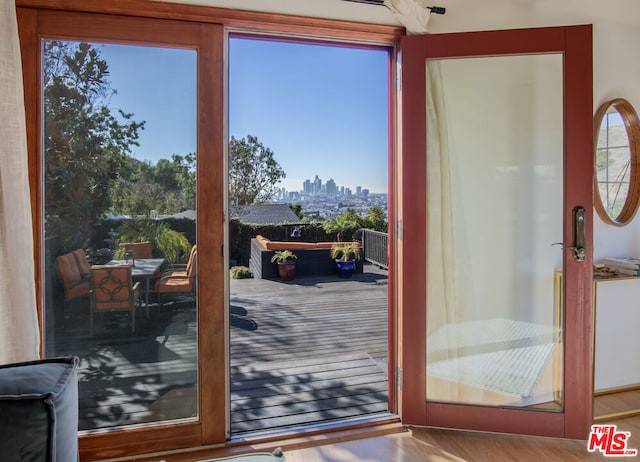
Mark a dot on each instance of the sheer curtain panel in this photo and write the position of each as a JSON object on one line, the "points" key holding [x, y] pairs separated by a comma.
{"points": [[19, 334]]}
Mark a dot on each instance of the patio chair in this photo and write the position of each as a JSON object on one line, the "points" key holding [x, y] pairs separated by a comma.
{"points": [[112, 289], [74, 283], [82, 262], [141, 249], [179, 282], [181, 270]]}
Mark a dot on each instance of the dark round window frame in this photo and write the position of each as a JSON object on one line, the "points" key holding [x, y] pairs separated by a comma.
{"points": [[632, 127]]}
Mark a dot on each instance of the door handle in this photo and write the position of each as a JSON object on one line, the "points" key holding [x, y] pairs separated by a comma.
{"points": [[579, 233]]}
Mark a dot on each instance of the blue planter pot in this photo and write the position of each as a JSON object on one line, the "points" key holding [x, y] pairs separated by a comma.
{"points": [[345, 268]]}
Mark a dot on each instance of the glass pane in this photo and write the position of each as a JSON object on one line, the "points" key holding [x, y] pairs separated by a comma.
{"points": [[495, 189], [119, 198], [613, 164]]}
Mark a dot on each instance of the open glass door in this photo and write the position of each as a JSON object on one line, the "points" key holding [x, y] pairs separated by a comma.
{"points": [[496, 318]]}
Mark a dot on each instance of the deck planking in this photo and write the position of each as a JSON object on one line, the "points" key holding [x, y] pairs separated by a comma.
{"points": [[317, 350], [310, 350]]}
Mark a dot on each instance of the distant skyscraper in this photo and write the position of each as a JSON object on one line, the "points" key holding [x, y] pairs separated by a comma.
{"points": [[358, 191], [317, 185], [306, 187], [365, 193], [332, 189]]}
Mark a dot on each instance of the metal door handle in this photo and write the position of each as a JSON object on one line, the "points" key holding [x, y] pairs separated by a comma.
{"points": [[579, 233]]}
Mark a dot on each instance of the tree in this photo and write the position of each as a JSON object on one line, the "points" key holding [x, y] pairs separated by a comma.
{"points": [[253, 172], [168, 187], [86, 143], [345, 224], [375, 219], [297, 209]]}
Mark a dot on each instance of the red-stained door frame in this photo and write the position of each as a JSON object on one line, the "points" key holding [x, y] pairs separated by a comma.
{"points": [[575, 44]]}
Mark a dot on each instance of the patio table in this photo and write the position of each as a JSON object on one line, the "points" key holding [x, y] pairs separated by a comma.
{"points": [[144, 269]]}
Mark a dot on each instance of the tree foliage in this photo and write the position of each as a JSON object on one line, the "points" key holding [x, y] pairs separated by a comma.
{"points": [[297, 209], [253, 172], [167, 187], [344, 226], [88, 170], [86, 143], [165, 241], [375, 219]]}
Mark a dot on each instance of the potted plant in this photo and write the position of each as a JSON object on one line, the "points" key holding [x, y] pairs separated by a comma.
{"points": [[345, 255], [286, 261]]}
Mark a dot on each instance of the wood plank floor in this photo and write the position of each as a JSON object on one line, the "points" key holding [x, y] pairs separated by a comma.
{"points": [[400, 444], [438, 445], [314, 349]]}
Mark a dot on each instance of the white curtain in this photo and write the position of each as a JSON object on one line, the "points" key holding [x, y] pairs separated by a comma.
{"points": [[413, 14], [446, 255], [444, 294], [19, 333]]}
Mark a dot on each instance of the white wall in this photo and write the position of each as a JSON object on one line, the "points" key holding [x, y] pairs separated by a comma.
{"points": [[329, 9], [616, 31]]}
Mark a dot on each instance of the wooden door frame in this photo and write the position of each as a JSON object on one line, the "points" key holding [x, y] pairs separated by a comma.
{"points": [[574, 42], [207, 39]]}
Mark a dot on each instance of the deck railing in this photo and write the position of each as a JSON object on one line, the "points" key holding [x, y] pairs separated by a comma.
{"points": [[375, 247]]}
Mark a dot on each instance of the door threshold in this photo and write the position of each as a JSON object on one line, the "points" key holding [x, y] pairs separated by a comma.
{"points": [[319, 434], [287, 439], [322, 428]]}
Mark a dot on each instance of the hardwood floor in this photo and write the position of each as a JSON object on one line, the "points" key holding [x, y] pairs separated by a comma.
{"points": [[623, 402], [395, 443], [437, 445]]}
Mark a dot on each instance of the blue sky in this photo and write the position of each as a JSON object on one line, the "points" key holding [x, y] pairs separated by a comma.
{"points": [[322, 110], [157, 85]]}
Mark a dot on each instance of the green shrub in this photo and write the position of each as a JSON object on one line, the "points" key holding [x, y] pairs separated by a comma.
{"points": [[240, 272], [344, 226], [165, 241]]}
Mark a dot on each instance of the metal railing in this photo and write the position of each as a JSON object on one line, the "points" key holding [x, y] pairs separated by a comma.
{"points": [[375, 247]]}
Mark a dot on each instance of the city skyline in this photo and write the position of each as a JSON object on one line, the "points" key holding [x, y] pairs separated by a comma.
{"points": [[329, 187], [329, 200]]}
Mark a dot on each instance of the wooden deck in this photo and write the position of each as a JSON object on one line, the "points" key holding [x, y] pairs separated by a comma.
{"points": [[315, 350], [310, 350]]}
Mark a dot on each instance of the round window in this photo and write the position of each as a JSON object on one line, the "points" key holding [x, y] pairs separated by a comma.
{"points": [[617, 133]]}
